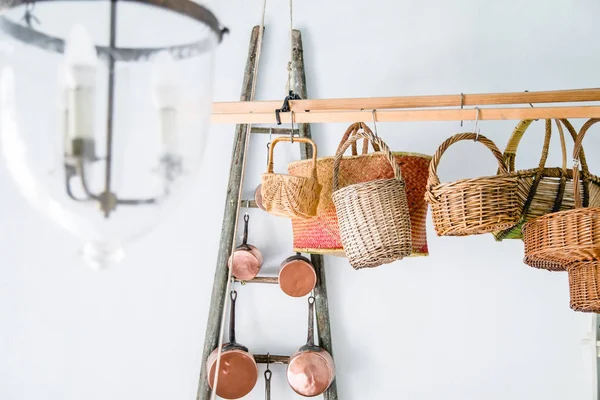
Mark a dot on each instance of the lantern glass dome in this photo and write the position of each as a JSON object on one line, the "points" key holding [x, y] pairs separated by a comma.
{"points": [[104, 109]]}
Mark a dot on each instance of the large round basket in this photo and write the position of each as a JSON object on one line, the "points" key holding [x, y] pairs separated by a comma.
{"points": [[373, 216], [287, 195], [477, 205], [569, 236]]}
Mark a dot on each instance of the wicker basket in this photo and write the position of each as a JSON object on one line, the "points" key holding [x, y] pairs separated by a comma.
{"points": [[564, 237], [476, 205], [320, 234], [584, 286], [550, 189], [287, 195], [373, 216]]}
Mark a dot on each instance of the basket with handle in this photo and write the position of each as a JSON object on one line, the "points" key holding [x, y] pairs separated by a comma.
{"points": [[320, 234], [287, 195], [475, 205], [373, 216], [566, 237], [550, 189]]}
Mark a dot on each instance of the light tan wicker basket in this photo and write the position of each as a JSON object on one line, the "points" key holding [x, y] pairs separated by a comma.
{"points": [[564, 237], [552, 188], [476, 205], [373, 216], [287, 195], [584, 286]]}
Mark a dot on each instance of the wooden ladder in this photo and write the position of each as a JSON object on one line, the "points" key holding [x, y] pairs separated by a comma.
{"points": [[231, 215]]}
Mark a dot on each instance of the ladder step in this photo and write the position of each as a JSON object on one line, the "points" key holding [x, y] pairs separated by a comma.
{"points": [[262, 359], [274, 131], [260, 279]]}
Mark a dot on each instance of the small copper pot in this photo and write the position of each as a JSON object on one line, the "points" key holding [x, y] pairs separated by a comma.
{"points": [[238, 372], [297, 276], [246, 260], [310, 370], [258, 198]]}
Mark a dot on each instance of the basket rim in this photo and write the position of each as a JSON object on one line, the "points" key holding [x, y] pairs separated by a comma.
{"points": [[508, 178], [402, 153], [368, 183], [559, 214], [309, 178]]}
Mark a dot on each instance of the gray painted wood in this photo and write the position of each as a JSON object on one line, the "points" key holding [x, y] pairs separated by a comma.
{"points": [[213, 325], [321, 303]]}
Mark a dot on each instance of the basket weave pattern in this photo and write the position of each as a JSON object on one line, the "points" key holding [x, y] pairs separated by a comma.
{"points": [[373, 216], [584, 286], [476, 205], [287, 195], [321, 234]]}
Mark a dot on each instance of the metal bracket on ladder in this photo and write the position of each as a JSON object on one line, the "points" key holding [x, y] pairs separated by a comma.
{"points": [[230, 217]]}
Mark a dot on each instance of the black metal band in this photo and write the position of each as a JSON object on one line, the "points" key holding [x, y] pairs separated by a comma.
{"points": [[183, 7]]}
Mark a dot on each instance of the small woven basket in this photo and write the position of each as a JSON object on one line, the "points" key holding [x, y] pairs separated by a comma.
{"points": [[287, 195], [584, 286], [552, 187], [476, 205], [559, 239], [373, 216]]}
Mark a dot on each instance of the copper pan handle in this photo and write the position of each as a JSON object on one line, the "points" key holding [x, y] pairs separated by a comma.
{"points": [[310, 341], [233, 295], [245, 238], [268, 381]]}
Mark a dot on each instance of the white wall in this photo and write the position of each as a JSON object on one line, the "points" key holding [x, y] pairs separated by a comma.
{"points": [[468, 322]]}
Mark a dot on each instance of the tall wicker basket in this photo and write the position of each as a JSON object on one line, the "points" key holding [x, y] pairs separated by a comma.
{"points": [[476, 205], [373, 216]]}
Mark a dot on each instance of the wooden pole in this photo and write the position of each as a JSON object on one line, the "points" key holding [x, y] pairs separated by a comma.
{"points": [[317, 116], [213, 324], [433, 101], [321, 302]]}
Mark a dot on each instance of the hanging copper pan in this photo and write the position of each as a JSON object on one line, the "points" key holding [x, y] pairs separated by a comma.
{"points": [[238, 371], [310, 370], [297, 276], [258, 198], [246, 260]]}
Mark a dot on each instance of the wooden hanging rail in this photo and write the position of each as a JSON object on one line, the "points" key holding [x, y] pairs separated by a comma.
{"points": [[415, 108]]}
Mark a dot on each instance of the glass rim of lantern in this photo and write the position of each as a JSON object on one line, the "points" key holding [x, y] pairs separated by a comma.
{"points": [[186, 8]]}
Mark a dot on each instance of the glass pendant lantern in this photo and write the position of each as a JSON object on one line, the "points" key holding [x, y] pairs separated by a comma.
{"points": [[104, 110]]}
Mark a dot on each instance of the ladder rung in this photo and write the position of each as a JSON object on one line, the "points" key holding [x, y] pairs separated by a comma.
{"points": [[274, 131], [248, 204], [262, 359], [261, 279]]}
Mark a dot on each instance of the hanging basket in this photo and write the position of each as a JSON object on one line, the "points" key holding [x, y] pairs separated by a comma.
{"points": [[584, 286], [373, 216], [564, 237], [321, 234], [287, 195], [476, 205], [550, 189]]}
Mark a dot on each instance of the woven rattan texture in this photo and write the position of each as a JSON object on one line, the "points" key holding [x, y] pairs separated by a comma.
{"points": [[291, 196], [476, 205], [584, 286], [373, 216], [321, 234]]}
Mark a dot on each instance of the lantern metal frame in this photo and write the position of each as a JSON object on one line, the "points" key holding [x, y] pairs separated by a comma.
{"points": [[83, 150]]}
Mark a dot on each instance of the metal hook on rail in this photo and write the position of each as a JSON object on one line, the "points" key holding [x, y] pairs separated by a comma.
{"points": [[476, 128], [269, 144], [526, 91], [374, 123], [286, 105], [462, 105]]}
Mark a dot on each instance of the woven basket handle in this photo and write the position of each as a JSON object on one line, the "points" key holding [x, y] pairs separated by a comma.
{"points": [[299, 140], [367, 135], [352, 129], [433, 178], [577, 155]]}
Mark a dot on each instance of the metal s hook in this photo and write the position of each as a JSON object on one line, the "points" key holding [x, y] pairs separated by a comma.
{"points": [[462, 105], [476, 128], [374, 123], [269, 144], [293, 114], [526, 91]]}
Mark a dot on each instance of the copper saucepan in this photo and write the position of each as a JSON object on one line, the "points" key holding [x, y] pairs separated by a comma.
{"points": [[297, 276], [310, 370], [246, 260], [238, 371]]}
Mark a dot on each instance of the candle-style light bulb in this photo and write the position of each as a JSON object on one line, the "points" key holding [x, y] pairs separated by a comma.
{"points": [[80, 81], [166, 97]]}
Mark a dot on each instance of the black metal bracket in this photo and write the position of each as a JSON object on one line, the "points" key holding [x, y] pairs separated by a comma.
{"points": [[286, 105]]}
